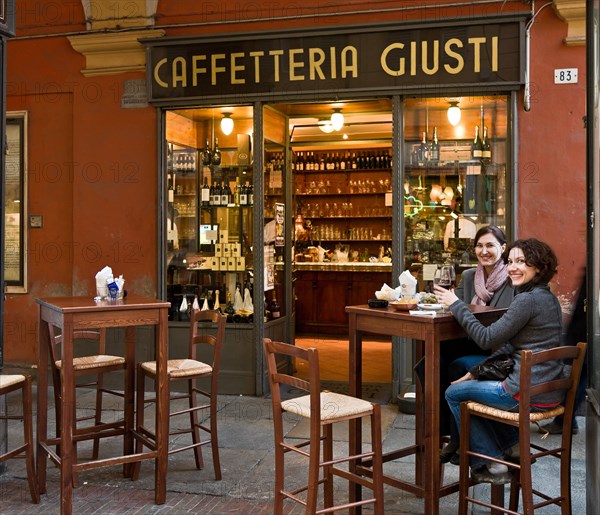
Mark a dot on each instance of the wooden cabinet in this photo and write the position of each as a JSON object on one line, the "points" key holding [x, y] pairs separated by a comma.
{"points": [[322, 296]]}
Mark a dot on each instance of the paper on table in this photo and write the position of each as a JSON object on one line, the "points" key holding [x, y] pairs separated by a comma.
{"points": [[423, 313]]}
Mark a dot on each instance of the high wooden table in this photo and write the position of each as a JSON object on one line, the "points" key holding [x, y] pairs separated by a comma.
{"points": [[431, 330], [76, 313]]}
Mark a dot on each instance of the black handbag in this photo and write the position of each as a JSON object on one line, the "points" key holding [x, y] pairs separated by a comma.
{"points": [[495, 368]]}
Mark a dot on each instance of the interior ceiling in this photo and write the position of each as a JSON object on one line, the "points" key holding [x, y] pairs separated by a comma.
{"points": [[371, 119]]}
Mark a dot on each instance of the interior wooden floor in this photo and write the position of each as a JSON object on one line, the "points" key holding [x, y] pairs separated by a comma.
{"points": [[333, 358]]}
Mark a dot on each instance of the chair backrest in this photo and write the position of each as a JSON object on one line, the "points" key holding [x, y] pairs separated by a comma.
{"points": [[203, 333], [95, 337], [567, 383], [277, 378]]}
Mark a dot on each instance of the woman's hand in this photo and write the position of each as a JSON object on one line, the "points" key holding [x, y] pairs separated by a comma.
{"points": [[467, 377], [444, 296]]}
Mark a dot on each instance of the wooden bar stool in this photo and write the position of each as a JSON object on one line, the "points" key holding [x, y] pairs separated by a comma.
{"points": [[323, 409], [521, 467], [189, 369], [11, 383], [95, 364]]}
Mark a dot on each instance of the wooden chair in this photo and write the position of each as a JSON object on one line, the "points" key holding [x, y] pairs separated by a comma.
{"points": [[96, 364], [323, 409], [189, 369], [11, 383], [521, 469]]}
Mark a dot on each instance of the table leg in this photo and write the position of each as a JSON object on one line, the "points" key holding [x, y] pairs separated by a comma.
{"points": [[355, 390], [42, 400], [432, 423], [130, 365], [67, 412], [162, 409]]}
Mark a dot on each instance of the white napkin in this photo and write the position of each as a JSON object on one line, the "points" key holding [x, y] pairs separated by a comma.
{"points": [[248, 306], [408, 285], [422, 312], [238, 303], [388, 293], [101, 280]]}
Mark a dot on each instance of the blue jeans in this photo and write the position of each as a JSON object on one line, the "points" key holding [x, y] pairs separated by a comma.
{"points": [[487, 437]]}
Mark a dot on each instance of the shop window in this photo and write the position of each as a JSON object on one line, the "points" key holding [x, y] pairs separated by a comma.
{"points": [[209, 231], [15, 204], [455, 177]]}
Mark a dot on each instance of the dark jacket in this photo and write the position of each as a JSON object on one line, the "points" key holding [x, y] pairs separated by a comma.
{"points": [[466, 290]]}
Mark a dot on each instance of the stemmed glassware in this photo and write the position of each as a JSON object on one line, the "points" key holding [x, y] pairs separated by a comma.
{"points": [[444, 277]]}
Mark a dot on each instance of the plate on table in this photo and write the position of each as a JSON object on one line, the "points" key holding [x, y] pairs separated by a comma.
{"points": [[431, 307]]}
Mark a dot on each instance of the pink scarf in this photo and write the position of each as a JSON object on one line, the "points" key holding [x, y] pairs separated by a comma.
{"points": [[484, 290]]}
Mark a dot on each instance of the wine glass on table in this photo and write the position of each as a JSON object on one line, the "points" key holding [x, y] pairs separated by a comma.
{"points": [[444, 280]]}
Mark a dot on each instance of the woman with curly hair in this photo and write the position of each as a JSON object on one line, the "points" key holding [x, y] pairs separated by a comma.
{"points": [[533, 321]]}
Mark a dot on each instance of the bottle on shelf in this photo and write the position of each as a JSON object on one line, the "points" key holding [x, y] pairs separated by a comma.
{"points": [[250, 189], [476, 147], [225, 194], [206, 154], [435, 147], [205, 193], [217, 304], [244, 195], [216, 154], [215, 194], [486, 148], [423, 156], [237, 192], [275, 309], [171, 191]]}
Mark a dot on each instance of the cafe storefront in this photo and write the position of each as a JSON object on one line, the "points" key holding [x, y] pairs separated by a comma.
{"points": [[280, 217]]}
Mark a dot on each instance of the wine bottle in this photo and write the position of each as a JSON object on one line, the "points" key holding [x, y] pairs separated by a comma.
{"points": [[206, 154], [216, 155], [476, 147], [236, 192], [275, 309], [244, 195], [224, 194], [435, 147], [217, 195], [205, 193], [171, 192], [250, 195], [424, 149], [486, 148]]}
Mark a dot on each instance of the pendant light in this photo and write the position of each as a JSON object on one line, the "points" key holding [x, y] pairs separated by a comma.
{"points": [[227, 124], [337, 119], [454, 114]]}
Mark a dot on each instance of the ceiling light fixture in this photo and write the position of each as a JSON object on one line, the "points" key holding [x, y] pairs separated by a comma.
{"points": [[325, 126], [454, 113], [337, 119], [227, 124]]}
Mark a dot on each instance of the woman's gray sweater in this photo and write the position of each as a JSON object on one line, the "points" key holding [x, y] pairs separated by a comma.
{"points": [[533, 321]]}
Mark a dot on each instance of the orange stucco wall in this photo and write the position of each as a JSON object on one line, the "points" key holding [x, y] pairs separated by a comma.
{"points": [[92, 165]]}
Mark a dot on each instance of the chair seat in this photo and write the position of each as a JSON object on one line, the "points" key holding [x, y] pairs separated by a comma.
{"points": [[95, 361], [180, 367], [10, 380], [335, 407], [534, 416]]}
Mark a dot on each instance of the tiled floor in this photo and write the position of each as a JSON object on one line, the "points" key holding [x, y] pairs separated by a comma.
{"points": [[333, 358]]}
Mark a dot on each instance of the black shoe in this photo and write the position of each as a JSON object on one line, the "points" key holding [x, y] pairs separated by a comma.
{"points": [[555, 428], [455, 460], [448, 452], [483, 475]]}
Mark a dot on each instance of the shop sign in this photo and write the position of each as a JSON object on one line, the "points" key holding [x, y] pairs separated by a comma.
{"points": [[469, 54]]}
